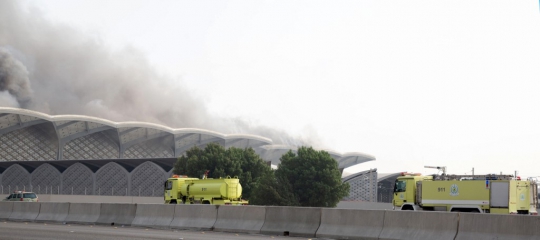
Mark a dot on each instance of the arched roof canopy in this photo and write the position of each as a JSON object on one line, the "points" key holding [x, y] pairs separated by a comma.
{"points": [[12, 119], [273, 153], [131, 133], [82, 118], [69, 127], [182, 131], [145, 125], [187, 138], [354, 158], [358, 174], [382, 176], [26, 112], [245, 141]]}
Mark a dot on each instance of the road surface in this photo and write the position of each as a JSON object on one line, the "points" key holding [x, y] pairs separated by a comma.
{"points": [[31, 231]]}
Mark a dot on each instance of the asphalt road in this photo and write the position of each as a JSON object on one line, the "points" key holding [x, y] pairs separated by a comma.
{"points": [[31, 231]]}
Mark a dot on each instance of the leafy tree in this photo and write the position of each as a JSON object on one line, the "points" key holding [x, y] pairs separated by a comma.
{"points": [[314, 178], [234, 162], [266, 191], [270, 192]]}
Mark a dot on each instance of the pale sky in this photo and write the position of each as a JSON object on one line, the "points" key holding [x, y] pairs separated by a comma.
{"points": [[449, 83]]}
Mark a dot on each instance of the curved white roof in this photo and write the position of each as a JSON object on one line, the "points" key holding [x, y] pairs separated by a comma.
{"points": [[249, 136], [354, 158], [82, 118], [144, 125], [25, 112], [354, 175], [384, 176], [197, 130], [185, 137]]}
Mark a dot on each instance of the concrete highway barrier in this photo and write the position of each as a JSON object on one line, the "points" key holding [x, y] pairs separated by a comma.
{"points": [[292, 221], [83, 213], [154, 215], [419, 225], [97, 199], [53, 212], [117, 214], [194, 217], [495, 226], [364, 205], [242, 219], [351, 224], [24, 211], [5, 210]]}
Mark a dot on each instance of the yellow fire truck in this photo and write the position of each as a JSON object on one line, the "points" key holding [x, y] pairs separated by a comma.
{"points": [[501, 194], [182, 189]]}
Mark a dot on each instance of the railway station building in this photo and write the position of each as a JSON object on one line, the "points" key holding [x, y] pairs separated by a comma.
{"points": [[82, 155]]}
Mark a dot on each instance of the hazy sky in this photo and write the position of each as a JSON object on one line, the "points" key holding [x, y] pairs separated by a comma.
{"points": [[414, 83]]}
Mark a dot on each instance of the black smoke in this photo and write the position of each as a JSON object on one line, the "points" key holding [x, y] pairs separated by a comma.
{"points": [[15, 90], [56, 69]]}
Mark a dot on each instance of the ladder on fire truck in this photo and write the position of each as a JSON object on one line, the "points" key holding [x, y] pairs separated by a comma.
{"points": [[445, 176]]}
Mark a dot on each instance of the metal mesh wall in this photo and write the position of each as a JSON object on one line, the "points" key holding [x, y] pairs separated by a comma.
{"points": [[46, 179], [111, 179], [147, 180], [363, 187], [15, 178], [385, 191], [94, 146], [35, 143], [78, 179], [155, 148]]}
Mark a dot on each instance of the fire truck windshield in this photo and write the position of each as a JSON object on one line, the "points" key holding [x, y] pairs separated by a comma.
{"points": [[400, 186], [168, 185]]}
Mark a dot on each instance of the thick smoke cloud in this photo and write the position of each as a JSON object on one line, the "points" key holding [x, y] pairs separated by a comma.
{"points": [[56, 69], [15, 88]]}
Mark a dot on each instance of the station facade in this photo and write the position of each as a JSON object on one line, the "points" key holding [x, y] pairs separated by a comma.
{"points": [[82, 155]]}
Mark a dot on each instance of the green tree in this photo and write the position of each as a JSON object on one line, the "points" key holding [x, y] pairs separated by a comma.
{"points": [[314, 177], [266, 191], [309, 178], [269, 192], [234, 162]]}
